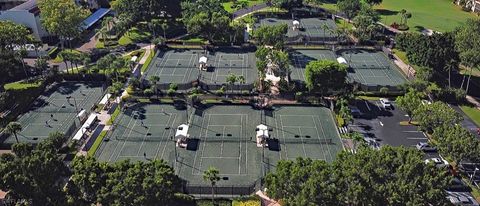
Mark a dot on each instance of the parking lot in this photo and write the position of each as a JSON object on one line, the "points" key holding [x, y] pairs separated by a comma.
{"points": [[384, 125]]}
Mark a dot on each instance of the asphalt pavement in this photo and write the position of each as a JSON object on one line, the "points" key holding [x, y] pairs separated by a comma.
{"points": [[384, 125]]}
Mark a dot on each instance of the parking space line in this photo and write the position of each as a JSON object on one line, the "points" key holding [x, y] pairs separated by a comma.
{"points": [[368, 107], [416, 138]]}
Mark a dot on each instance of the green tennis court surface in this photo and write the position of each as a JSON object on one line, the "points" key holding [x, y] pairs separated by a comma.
{"points": [[313, 29], [56, 110], [182, 66], [222, 137], [372, 68]]}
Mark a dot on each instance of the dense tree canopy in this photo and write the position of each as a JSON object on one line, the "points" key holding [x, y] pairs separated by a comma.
{"points": [[271, 35], [457, 143], [349, 7], [325, 75], [122, 183], [409, 102], [145, 10], [35, 174], [437, 114], [390, 176], [62, 17]]}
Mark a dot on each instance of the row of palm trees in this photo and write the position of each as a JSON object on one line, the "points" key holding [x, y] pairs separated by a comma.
{"points": [[75, 58]]}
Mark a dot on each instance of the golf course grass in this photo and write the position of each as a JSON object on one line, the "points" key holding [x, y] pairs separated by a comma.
{"points": [[438, 15]]}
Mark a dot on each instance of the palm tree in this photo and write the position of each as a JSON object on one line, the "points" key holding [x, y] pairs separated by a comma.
{"points": [[449, 66], [164, 28], [13, 128], [212, 176], [153, 80], [241, 79], [231, 79], [325, 28], [65, 55]]}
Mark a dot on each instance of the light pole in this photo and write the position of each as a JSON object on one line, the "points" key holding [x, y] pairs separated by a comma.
{"points": [[174, 146], [75, 102], [473, 175]]}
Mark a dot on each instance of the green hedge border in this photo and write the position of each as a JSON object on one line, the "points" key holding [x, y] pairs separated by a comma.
{"points": [[96, 144], [147, 62]]}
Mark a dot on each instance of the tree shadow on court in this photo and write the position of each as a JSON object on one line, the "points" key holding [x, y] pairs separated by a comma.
{"points": [[273, 144], [193, 144], [295, 55]]}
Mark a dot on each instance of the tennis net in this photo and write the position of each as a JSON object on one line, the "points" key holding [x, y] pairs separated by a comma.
{"points": [[372, 67], [214, 139], [50, 109]]}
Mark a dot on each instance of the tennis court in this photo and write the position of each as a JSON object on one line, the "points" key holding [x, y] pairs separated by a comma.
{"points": [[371, 68], [300, 59], [312, 29], [182, 66], [56, 110], [223, 137]]}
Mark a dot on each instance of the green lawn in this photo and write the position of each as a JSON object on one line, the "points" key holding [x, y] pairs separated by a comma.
{"points": [[472, 112], [59, 59], [439, 15], [96, 144], [147, 62], [228, 5], [134, 35], [21, 85], [114, 115]]}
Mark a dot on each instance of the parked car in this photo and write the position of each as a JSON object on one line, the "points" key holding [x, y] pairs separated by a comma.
{"points": [[425, 147], [356, 113], [371, 142], [386, 104], [439, 162]]}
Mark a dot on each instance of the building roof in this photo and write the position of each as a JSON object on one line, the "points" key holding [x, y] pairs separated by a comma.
{"points": [[182, 131], [92, 19], [30, 4], [203, 60]]}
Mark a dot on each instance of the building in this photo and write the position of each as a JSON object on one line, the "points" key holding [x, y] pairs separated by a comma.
{"points": [[28, 15], [473, 5]]}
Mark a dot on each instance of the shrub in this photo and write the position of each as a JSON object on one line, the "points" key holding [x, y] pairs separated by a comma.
{"points": [[148, 92], [130, 90], [384, 90], [97, 143]]}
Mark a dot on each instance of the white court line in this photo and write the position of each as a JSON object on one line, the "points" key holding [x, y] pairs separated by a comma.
{"points": [[168, 134], [124, 133], [318, 136], [323, 132], [196, 153], [419, 138], [143, 141]]}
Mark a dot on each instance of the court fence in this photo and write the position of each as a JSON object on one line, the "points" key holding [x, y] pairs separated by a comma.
{"points": [[202, 190], [204, 86]]}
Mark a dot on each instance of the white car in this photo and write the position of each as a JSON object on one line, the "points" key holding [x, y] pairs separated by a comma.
{"points": [[425, 147], [386, 104], [371, 142], [437, 161]]}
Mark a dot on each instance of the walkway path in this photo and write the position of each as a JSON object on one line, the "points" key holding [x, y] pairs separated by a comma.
{"points": [[266, 201]]}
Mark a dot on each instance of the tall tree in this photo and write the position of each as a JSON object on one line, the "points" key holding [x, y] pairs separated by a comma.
{"points": [[324, 75], [409, 102], [62, 18], [349, 7], [13, 128], [121, 183], [457, 143], [467, 45], [212, 176], [35, 174], [431, 116], [271, 35]]}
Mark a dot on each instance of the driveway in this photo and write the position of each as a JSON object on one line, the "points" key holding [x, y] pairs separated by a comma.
{"points": [[384, 125]]}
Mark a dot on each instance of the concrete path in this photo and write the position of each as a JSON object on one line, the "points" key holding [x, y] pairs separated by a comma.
{"points": [[266, 201]]}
